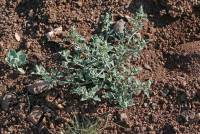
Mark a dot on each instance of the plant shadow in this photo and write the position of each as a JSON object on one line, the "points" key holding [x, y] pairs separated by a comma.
{"points": [[154, 11]]}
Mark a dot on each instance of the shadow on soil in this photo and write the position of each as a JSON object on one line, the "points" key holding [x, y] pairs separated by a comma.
{"points": [[186, 63], [154, 11], [34, 13]]}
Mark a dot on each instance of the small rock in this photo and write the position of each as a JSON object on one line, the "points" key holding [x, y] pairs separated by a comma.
{"points": [[8, 100], [136, 129], [58, 30], [2, 90], [60, 106], [119, 26], [60, 103], [128, 18], [17, 37], [143, 128], [152, 132], [145, 104], [147, 67], [50, 34], [35, 115], [183, 83], [28, 44], [31, 13], [123, 117], [54, 32], [1, 44], [38, 87], [79, 3], [197, 116]]}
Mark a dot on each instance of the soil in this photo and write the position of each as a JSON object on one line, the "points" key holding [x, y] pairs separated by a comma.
{"points": [[171, 59]]}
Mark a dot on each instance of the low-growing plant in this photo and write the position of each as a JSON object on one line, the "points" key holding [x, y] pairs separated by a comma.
{"points": [[16, 60], [103, 65], [52, 78]]}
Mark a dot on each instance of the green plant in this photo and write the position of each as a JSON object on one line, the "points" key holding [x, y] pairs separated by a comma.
{"points": [[103, 65], [83, 125], [133, 35], [52, 78], [16, 60]]}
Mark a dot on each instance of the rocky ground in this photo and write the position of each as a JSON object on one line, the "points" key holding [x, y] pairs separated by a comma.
{"points": [[171, 60]]}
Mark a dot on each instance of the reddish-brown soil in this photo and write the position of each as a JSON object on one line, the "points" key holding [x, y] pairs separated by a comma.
{"points": [[171, 60]]}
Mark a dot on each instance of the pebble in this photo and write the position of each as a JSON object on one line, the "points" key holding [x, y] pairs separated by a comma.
{"points": [[147, 67], [17, 37], [28, 44], [2, 89], [38, 87], [58, 30], [79, 3], [54, 32], [136, 129], [119, 26], [123, 119], [50, 34], [128, 18], [1, 44], [152, 132], [60, 106], [197, 116], [35, 115]]}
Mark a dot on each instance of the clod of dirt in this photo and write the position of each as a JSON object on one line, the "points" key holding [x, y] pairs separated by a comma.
{"points": [[35, 115], [17, 37], [38, 87], [8, 100], [119, 26]]}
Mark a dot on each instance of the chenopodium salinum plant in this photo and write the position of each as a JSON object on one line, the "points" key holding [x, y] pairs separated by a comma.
{"points": [[52, 77], [102, 65], [16, 60]]}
